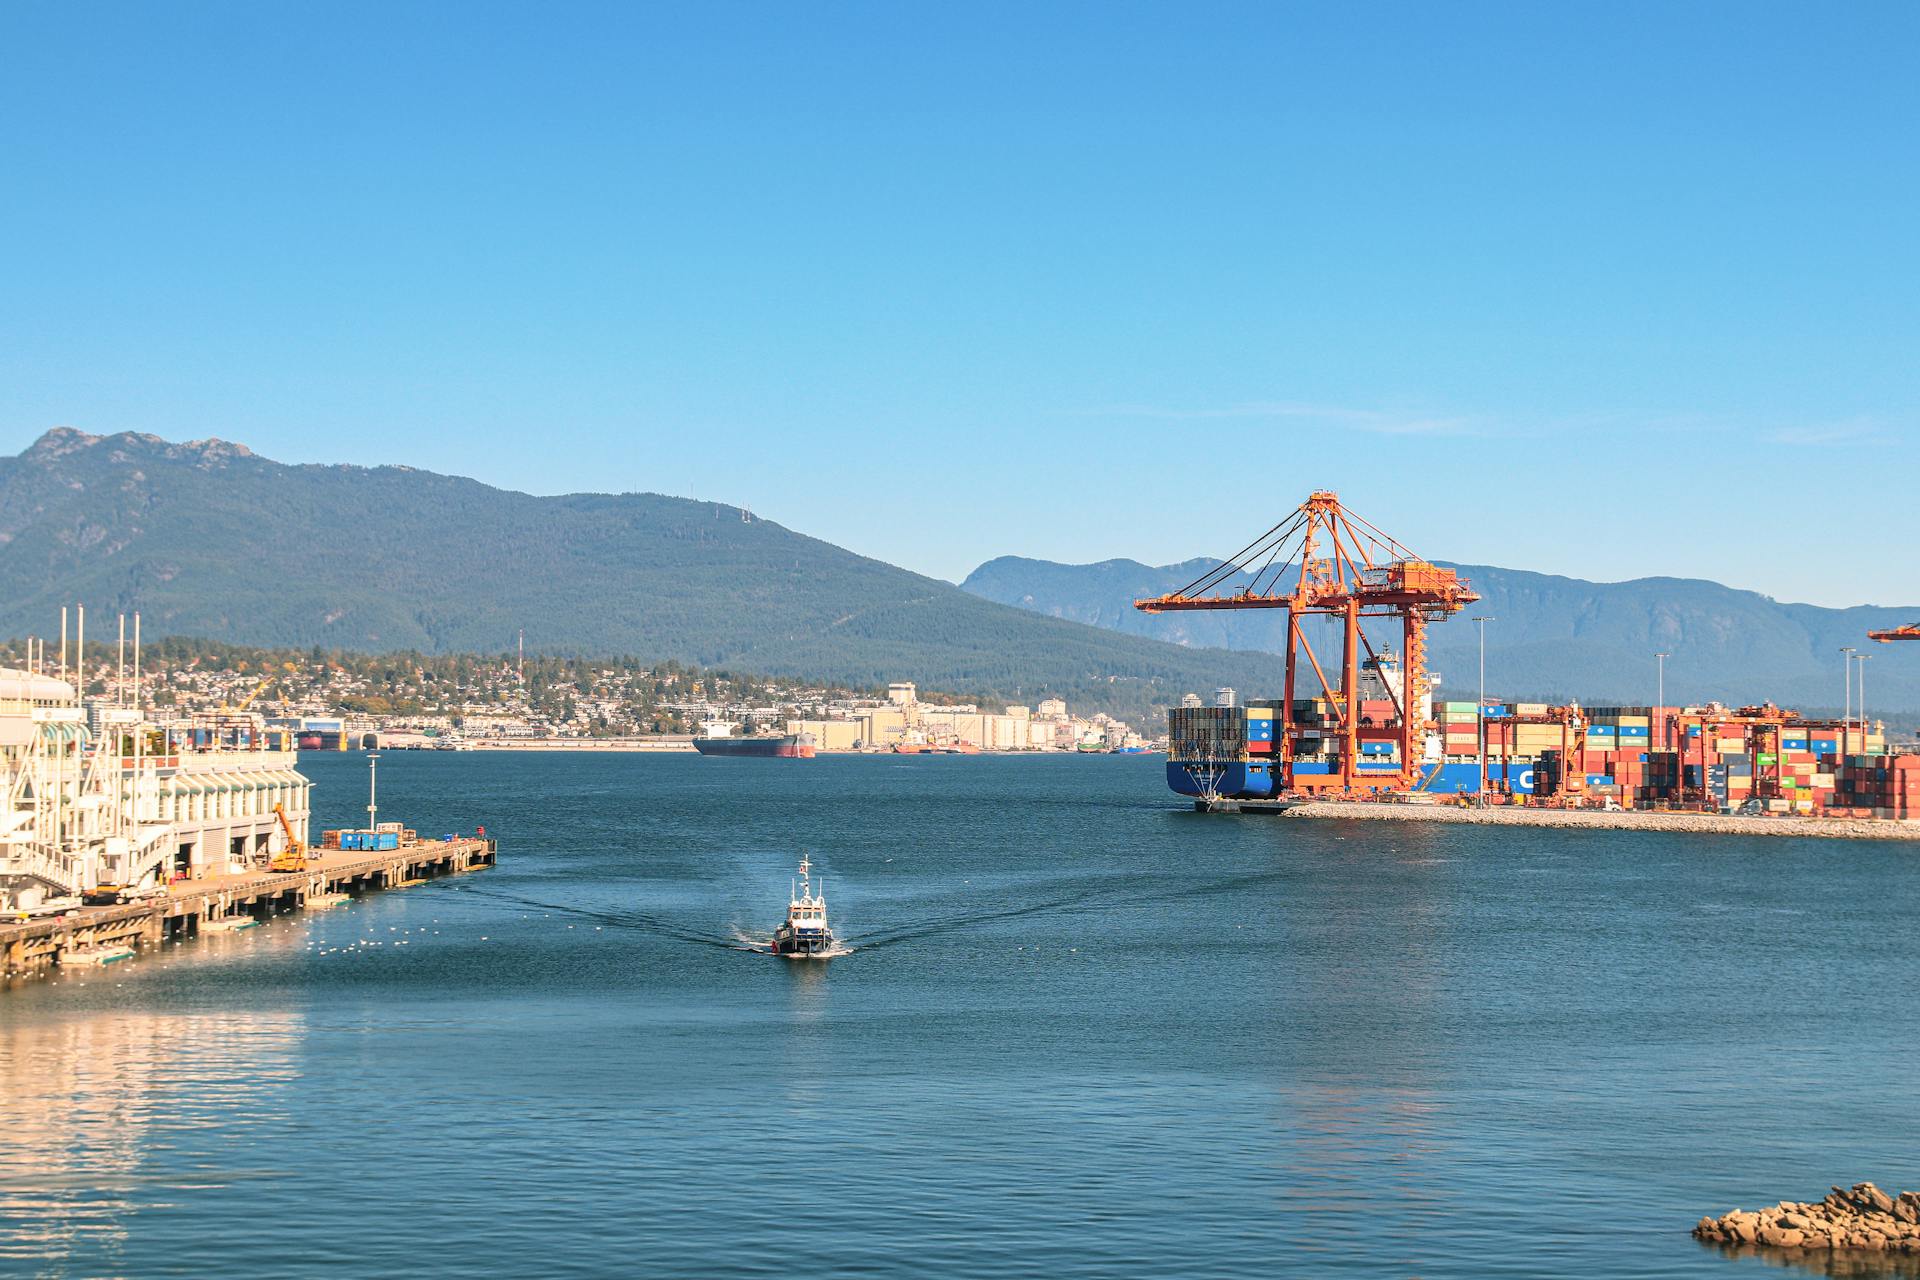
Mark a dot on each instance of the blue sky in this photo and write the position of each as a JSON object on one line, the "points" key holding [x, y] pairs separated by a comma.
{"points": [[1603, 290]]}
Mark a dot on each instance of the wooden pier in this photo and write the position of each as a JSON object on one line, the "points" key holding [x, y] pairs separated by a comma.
{"points": [[36, 946]]}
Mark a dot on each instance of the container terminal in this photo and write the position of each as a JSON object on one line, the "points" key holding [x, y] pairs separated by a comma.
{"points": [[117, 832], [1373, 731]]}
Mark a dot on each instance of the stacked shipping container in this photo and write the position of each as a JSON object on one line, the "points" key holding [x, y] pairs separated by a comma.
{"points": [[1887, 786], [1636, 756]]}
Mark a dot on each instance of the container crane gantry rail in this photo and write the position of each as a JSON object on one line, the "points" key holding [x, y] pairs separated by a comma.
{"points": [[1323, 559]]}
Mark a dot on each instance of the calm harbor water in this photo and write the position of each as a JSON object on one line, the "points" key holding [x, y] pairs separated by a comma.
{"points": [[1083, 1034]]}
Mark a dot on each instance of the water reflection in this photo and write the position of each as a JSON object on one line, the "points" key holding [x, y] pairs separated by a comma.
{"points": [[92, 1106], [1845, 1264]]}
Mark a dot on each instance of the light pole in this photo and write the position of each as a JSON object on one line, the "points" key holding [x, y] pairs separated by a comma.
{"points": [[1660, 700], [373, 774], [1846, 717], [1864, 730], [1480, 715]]}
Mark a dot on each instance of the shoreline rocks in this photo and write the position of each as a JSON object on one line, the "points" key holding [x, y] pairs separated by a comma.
{"points": [[1863, 1217]]}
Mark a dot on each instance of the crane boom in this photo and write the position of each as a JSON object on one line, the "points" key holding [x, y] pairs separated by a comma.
{"points": [[294, 856], [1909, 632], [258, 689], [1323, 559]]}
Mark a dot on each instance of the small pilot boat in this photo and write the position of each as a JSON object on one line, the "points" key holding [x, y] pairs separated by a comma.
{"points": [[804, 934]]}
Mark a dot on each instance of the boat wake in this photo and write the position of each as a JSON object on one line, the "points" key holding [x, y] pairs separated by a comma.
{"points": [[739, 938], [1087, 900], [640, 920]]}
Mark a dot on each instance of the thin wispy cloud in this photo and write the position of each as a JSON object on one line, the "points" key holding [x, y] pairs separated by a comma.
{"points": [[1371, 421], [1824, 433]]}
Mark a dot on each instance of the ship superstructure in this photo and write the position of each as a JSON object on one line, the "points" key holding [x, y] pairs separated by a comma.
{"points": [[805, 933]]}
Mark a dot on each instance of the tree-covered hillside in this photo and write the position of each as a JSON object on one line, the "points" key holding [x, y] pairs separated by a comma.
{"points": [[1553, 637], [207, 539]]}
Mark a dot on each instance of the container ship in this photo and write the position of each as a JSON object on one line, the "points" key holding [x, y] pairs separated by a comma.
{"points": [[1380, 732], [719, 740], [1747, 759]]}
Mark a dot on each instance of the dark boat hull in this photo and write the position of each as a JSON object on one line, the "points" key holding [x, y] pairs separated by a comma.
{"points": [[801, 945], [786, 747]]}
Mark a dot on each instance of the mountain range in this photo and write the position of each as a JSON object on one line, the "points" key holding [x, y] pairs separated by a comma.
{"points": [[208, 539], [1551, 637]]}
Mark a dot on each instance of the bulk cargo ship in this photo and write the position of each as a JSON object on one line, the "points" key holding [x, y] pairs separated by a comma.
{"points": [[719, 740]]}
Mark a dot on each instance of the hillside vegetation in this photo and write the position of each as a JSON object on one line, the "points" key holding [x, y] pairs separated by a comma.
{"points": [[1556, 638], [207, 539]]}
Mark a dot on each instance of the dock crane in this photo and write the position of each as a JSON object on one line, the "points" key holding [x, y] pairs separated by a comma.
{"points": [[258, 689], [1323, 559], [294, 856], [1909, 632]]}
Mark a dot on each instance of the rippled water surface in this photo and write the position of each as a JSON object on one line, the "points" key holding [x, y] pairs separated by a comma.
{"points": [[1083, 1033]]}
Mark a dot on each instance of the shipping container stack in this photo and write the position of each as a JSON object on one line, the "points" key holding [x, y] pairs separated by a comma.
{"points": [[367, 841], [1314, 716], [1207, 733], [1723, 763], [1516, 735], [1879, 786], [1379, 735], [1260, 722], [1459, 729], [1636, 757], [1619, 761]]}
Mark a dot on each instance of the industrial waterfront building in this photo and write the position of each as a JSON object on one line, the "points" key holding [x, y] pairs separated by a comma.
{"points": [[903, 722], [98, 794]]}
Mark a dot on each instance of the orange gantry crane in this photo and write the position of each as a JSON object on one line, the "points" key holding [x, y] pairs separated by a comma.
{"points": [[1909, 632], [1323, 559]]}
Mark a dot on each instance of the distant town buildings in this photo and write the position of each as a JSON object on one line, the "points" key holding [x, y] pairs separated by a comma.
{"points": [[903, 721], [338, 701]]}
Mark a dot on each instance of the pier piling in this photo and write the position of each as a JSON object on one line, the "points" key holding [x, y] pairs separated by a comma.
{"points": [[33, 947]]}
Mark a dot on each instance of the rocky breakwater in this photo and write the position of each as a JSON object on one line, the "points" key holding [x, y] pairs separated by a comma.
{"points": [[1864, 1218]]}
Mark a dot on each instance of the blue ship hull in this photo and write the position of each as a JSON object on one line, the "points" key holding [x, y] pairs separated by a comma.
{"points": [[1250, 780]]}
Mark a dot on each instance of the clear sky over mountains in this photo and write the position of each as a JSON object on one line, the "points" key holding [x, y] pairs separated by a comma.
{"points": [[1603, 290]]}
